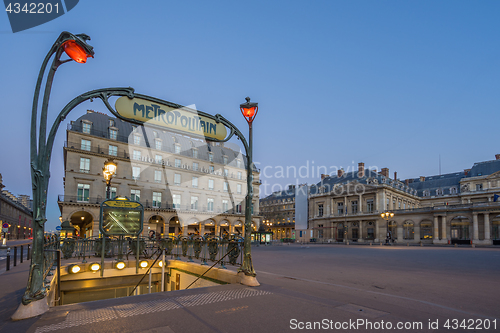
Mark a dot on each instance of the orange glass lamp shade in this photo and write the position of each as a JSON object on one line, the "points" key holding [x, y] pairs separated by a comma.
{"points": [[249, 110], [109, 169], [75, 51]]}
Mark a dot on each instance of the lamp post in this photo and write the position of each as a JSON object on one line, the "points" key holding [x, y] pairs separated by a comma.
{"points": [[108, 172], [387, 216], [249, 111], [76, 47]]}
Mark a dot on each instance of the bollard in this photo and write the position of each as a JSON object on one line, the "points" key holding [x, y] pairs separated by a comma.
{"points": [[407, 244], [15, 256], [21, 261], [455, 244], [7, 268], [28, 254]]}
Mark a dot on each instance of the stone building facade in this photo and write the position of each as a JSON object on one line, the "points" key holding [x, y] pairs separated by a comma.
{"points": [[186, 185], [460, 207], [278, 213], [16, 211]]}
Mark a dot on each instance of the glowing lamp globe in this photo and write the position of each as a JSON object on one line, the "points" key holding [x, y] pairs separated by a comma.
{"points": [[75, 51], [249, 110]]}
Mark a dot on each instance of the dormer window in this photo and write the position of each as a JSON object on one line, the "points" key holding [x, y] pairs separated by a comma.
{"points": [[111, 123], [195, 152], [157, 144], [177, 148], [113, 133], [426, 193], [224, 160], [453, 190], [86, 126]]}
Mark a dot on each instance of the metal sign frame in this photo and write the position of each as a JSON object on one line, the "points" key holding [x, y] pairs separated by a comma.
{"points": [[122, 204]]}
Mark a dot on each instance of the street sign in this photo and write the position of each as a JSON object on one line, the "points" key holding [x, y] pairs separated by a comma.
{"points": [[165, 114], [5, 225], [120, 217], [58, 228]]}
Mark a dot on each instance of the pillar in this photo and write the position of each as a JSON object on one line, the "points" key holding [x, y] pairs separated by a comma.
{"points": [[202, 228], [185, 230], [443, 227], [360, 230], [217, 229], [399, 229], [360, 204], [487, 235], [436, 228], [377, 231], [475, 226], [416, 234]]}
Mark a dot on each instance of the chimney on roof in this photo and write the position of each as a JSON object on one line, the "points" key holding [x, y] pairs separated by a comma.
{"points": [[340, 173], [385, 172], [497, 156], [323, 176], [395, 175], [407, 182], [361, 169], [466, 171], [90, 111], [422, 178]]}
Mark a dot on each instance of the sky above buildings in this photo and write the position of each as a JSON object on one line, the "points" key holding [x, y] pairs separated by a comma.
{"points": [[394, 84]]}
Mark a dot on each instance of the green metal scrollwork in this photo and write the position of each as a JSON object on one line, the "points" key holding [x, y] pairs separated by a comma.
{"points": [[197, 245], [68, 247], [213, 248]]}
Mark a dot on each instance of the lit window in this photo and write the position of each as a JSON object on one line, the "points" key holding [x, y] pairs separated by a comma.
{"points": [[156, 199], [194, 203], [86, 145], [86, 127], [113, 134], [135, 195], [178, 163], [210, 184], [85, 165], [113, 150], [177, 179], [210, 204], [157, 176], [136, 172], [195, 166], [194, 182], [83, 192]]}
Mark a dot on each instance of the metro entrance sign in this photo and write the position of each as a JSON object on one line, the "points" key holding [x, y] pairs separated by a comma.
{"points": [[121, 217]]}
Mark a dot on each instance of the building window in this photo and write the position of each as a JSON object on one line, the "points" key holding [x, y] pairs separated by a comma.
{"points": [[354, 207], [113, 134], [176, 200], [136, 155], [113, 192], [158, 144], [135, 195], [224, 160], [369, 205], [113, 150], [136, 172], [239, 175], [238, 163], [194, 182], [84, 164], [111, 123], [238, 208], [226, 186], [426, 193], [195, 153], [155, 134], [370, 233], [156, 199], [210, 184], [194, 203], [320, 210], [157, 176], [211, 169], [195, 166], [388, 204], [320, 231], [86, 145], [137, 139], [86, 127], [178, 163], [83, 192], [226, 172], [210, 157], [177, 179], [225, 206], [453, 190], [158, 159], [479, 187], [238, 188], [399, 205], [340, 208], [177, 149], [210, 204]]}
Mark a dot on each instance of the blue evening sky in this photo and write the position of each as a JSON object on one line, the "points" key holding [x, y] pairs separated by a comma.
{"points": [[390, 83]]}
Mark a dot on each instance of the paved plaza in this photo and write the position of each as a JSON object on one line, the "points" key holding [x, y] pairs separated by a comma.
{"points": [[301, 285]]}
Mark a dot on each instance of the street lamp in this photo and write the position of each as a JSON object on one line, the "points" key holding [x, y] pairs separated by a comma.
{"points": [[108, 172], [249, 111], [387, 216]]}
